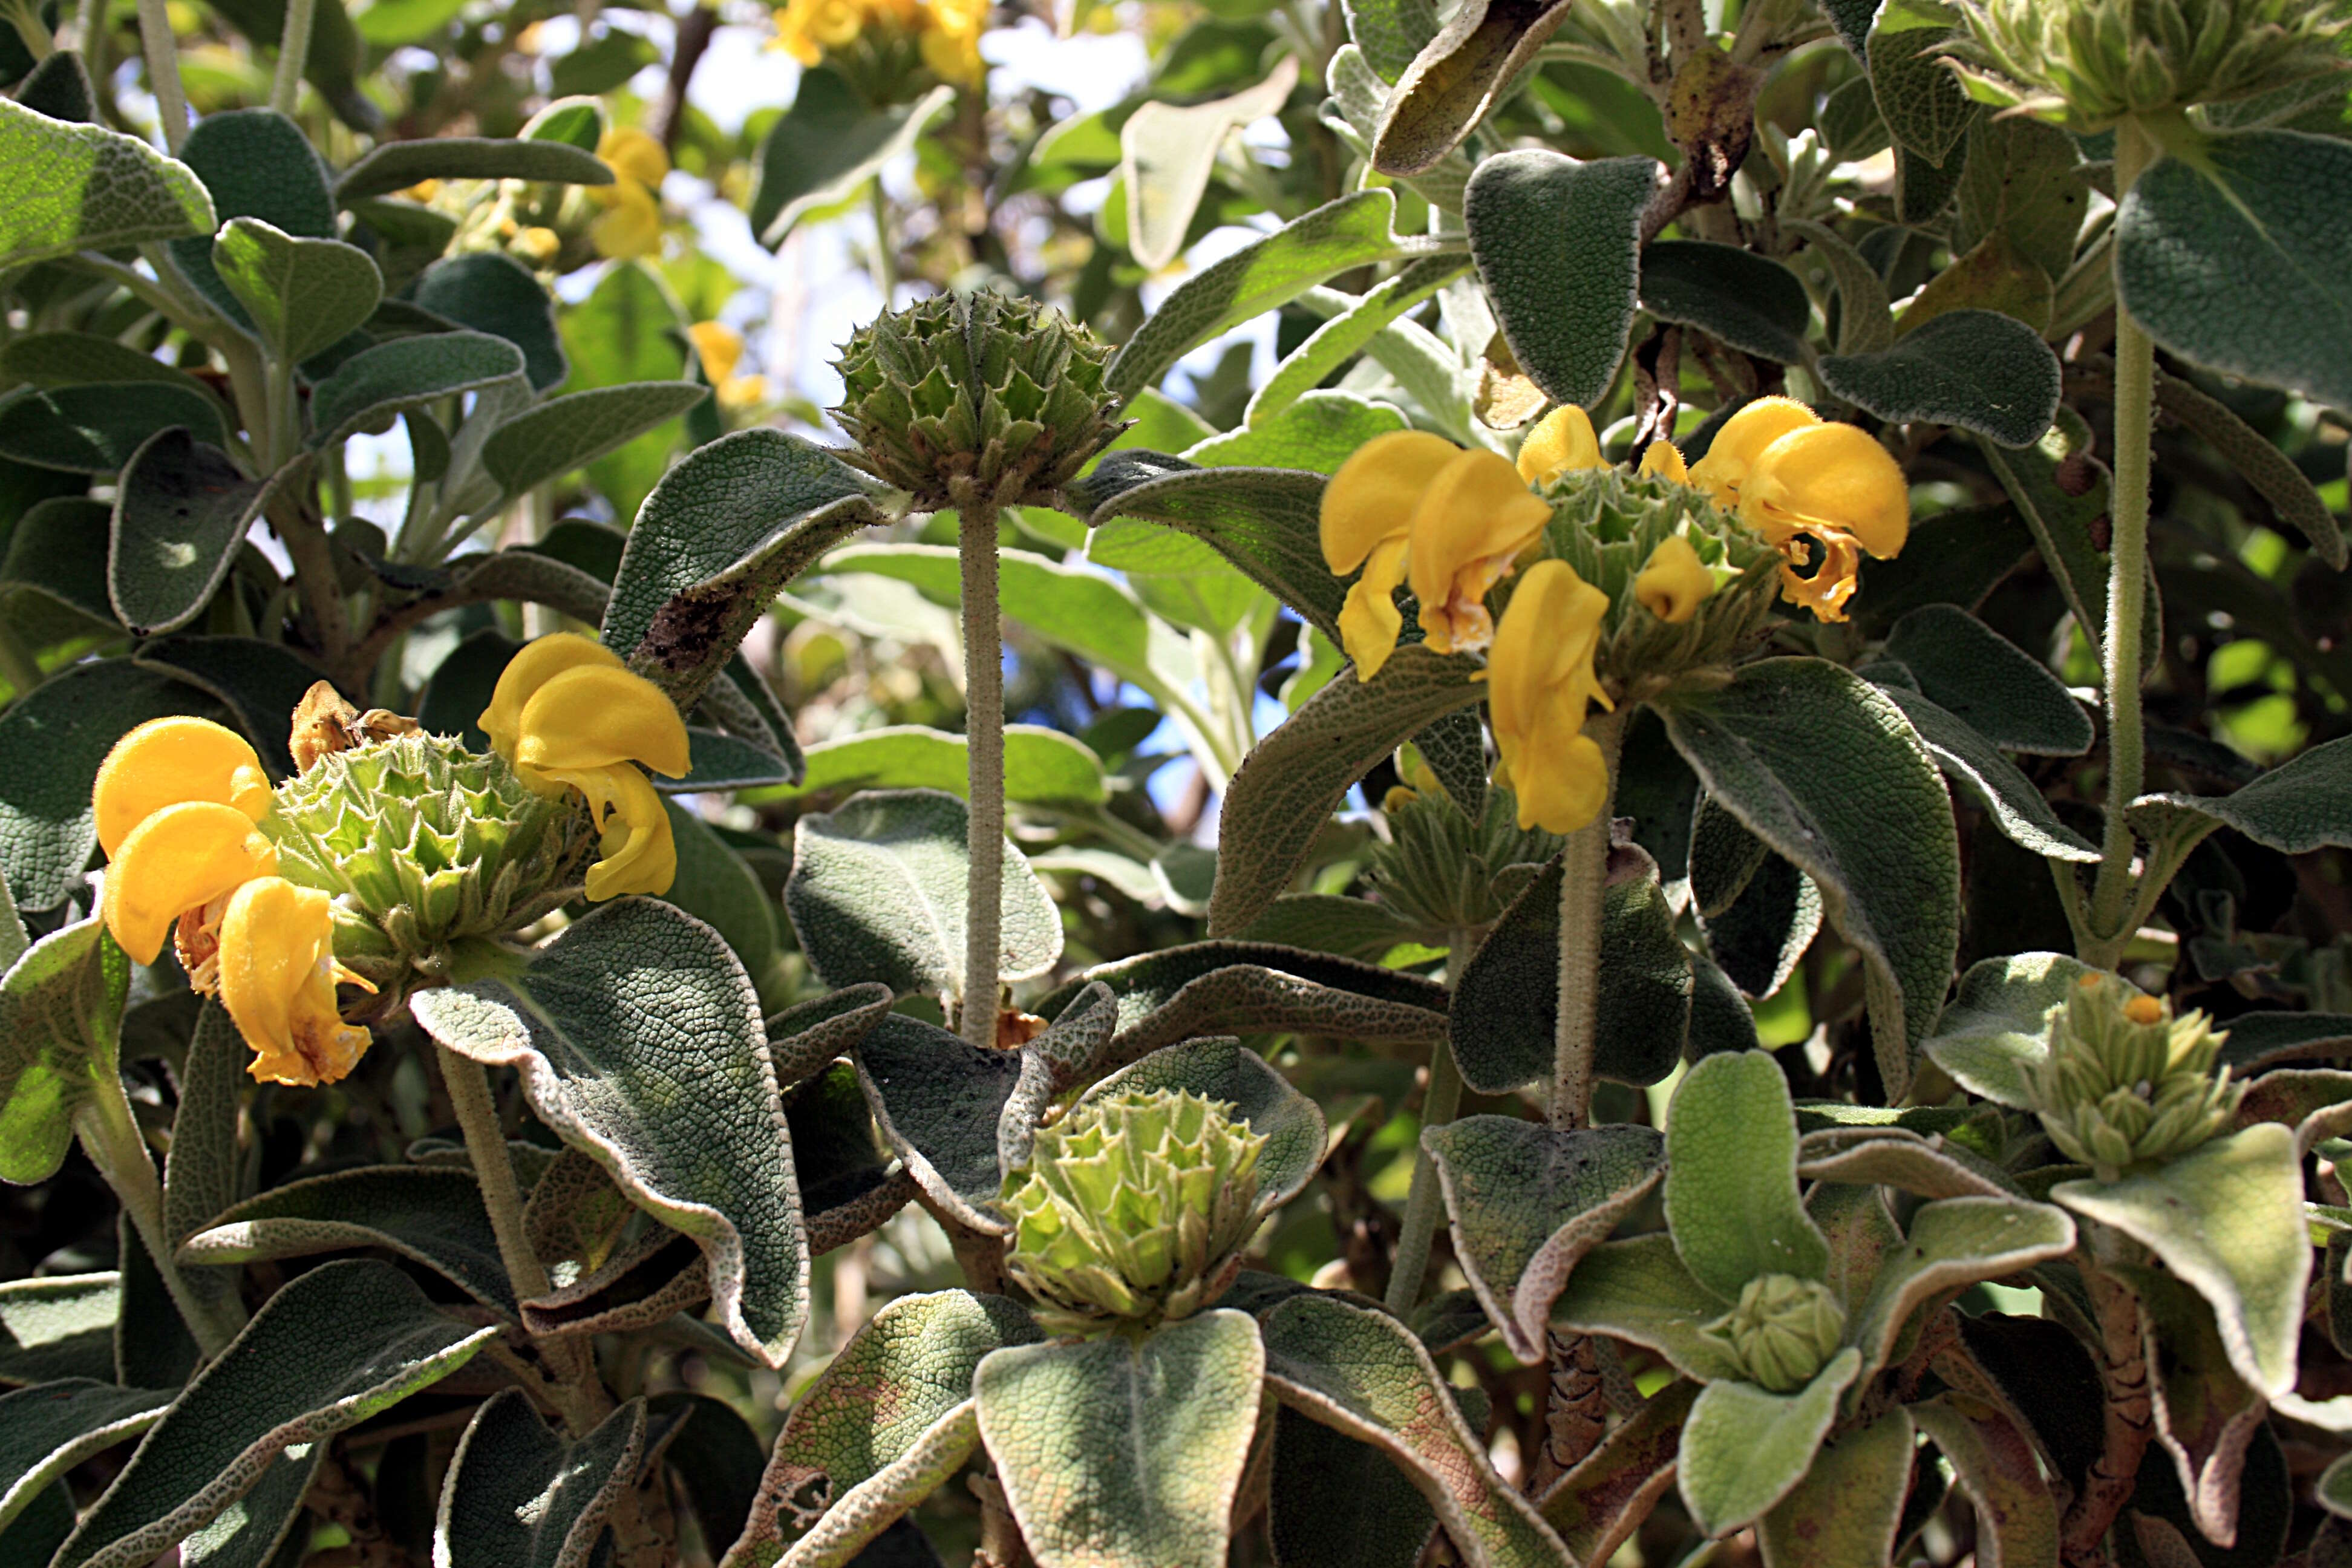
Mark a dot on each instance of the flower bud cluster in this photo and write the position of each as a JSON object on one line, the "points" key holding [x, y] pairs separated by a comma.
{"points": [[1133, 1210], [1447, 871], [1783, 1330], [2127, 1083], [2088, 63]]}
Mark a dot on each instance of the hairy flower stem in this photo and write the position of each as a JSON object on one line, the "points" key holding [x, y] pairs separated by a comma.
{"points": [[163, 52], [293, 55], [2135, 408], [1438, 1106], [983, 684], [110, 1136], [1584, 878]]}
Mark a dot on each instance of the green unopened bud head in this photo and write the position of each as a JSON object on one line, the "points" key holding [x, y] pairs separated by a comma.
{"points": [[2127, 1083], [1133, 1210], [424, 846], [1447, 871], [2088, 63], [976, 399], [1783, 1330]]}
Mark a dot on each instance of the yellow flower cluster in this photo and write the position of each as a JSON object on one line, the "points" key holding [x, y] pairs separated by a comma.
{"points": [[179, 803], [1800, 483], [631, 225], [946, 32], [569, 714]]}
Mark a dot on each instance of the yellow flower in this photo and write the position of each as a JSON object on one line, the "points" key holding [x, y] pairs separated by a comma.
{"points": [[1674, 582], [182, 858], [720, 347], [1410, 504], [568, 713], [1822, 494], [1664, 459], [633, 155], [1561, 443], [630, 225], [809, 27], [278, 976], [166, 761], [954, 57], [1541, 682]]}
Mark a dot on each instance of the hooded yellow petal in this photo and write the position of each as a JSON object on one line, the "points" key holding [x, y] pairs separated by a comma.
{"points": [[177, 859], [1544, 649], [1665, 458], [638, 853], [1369, 620], [1562, 442], [1473, 523], [1562, 783], [1675, 582], [540, 662], [1834, 477], [633, 155], [277, 979], [1743, 438], [165, 762], [631, 225], [1372, 496], [595, 716]]}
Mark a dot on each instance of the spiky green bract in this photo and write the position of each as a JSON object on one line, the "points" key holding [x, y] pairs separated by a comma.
{"points": [[980, 398], [424, 845], [1783, 1330], [1133, 1210], [2088, 63], [1605, 523], [2126, 1083], [1447, 871]]}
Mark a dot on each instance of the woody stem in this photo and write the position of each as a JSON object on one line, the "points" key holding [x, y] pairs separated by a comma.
{"points": [[983, 680]]}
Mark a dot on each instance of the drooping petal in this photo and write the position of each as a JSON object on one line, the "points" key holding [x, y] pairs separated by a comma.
{"points": [[1369, 619], [1372, 496], [179, 858], [1666, 459], [1562, 442], [1675, 582], [1568, 787], [1756, 425], [638, 853], [1541, 684], [596, 715], [1834, 477], [278, 976], [538, 663], [1473, 521], [633, 155], [165, 762]]}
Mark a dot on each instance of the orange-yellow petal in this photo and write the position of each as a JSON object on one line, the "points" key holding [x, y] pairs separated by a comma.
{"points": [[1675, 582], [540, 662], [633, 155], [177, 859], [1834, 477], [720, 347], [639, 854], [1541, 683], [1472, 523], [594, 716], [165, 762], [1744, 436], [1372, 496], [278, 976], [1666, 459], [1369, 619], [1562, 442], [631, 225]]}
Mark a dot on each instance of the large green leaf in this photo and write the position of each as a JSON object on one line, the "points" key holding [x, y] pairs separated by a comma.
{"points": [[85, 187], [1390, 32], [1847, 1510], [300, 294], [47, 1429], [368, 390], [1951, 1245], [1363, 1373], [718, 887], [430, 1213], [1825, 768], [1457, 76], [1319, 431], [1119, 1453], [2226, 1219], [722, 531], [1750, 302], [181, 511], [1744, 1449], [574, 430], [1978, 370], [492, 292], [2012, 802], [391, 166], [1168, 152], [1528, 1203], [1263, 521], [1918, 95], [2062, 491], [1042, 767], [830, 141], [1336, 237], [1987, 682], [1289, 785], [1995, 1465], [1999, 1022], [338, 1345], [2230, 254], [519, 1496], [1334, 1502], [250, 1531], [204, 1167], [1731, 1194], [257, 164], [57, 550], [631, 329], [94, 428], [1345, 336], [1557, 244], [639, 1041], [61, 1028], [878, 888], [2303, 805]]}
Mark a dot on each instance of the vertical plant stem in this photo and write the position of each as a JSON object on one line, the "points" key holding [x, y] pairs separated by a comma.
{"points": [[478, 1117], [2126, 589], [110, 1135], [1438, 1106], [162, 54], [983, 683], [293, 55], [1584, 876]]}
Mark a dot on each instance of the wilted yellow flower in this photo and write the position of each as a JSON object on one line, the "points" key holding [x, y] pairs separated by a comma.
{"points": [[630, 225], [568, 713], [277, 977], [1822, 494], [1409, 505], [1562, 442], [1675, 582], [1541, 683]]}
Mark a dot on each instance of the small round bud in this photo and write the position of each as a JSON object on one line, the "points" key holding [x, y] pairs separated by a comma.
{"points": [[2126, 1083], [983, 398], [1783, 1330], [1133, 1210]]}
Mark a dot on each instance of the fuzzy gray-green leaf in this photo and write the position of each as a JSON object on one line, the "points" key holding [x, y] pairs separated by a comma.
{"points": [[574, 430], [61, 1030], [519, 1496], [395, 165], [1731, 1176], [50, 1427], [302, 294], [1744, 1449], [85, 187], [1558, 245], [431, 1215], [1978, 370]]}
